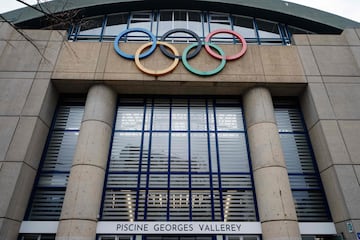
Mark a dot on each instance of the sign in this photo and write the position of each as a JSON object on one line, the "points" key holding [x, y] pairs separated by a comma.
{"points": [[178, 228], [358, 235]]}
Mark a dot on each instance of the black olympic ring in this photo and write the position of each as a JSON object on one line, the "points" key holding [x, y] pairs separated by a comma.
{"points": [[183, 30]]}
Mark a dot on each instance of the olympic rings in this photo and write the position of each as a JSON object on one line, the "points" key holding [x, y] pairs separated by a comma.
{"points": [[191, 55], [185, 56], [229, 58], [129, 56], [202, 73], [154, 72]]}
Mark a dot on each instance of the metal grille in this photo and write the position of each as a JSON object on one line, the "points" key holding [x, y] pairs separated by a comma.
{"points": [[179, 159], [49, 190], [305, 182]]}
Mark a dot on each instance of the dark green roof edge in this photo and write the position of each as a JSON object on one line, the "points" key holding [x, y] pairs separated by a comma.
{"points": [[276, 9]]}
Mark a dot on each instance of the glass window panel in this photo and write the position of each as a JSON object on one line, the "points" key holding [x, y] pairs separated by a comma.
{"points": [[60, 152], [165, 22], [125, 152], [200, 181], [158, 181], [310, 206], [53, 180], [69, 117], [119, 205], [179, 161], [161, 114], [179, 205], [92, 26], [116, 23], [289, 120], [179, 181], [180, 19], [159, 152], [157, 205], [195, 22], [233, 152], [46, 205], [198, 118], [297, 153], [267, 29], [121, 180], [145, 158], [179, 115], [201, 205], [236, 181], [199, 152], [140, 20], [244, 26], [238, 205], [220, 21], [129, 118], [213, 151], [229, 119]]}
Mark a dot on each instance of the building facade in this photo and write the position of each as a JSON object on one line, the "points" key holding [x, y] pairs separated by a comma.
{"points": [[182, 120]]}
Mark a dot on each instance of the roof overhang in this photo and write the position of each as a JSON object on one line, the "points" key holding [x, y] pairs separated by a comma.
{"points": [[276, 10]]}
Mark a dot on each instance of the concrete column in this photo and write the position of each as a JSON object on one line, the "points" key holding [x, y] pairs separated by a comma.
{"points": [[275, 203], [82, 201]]}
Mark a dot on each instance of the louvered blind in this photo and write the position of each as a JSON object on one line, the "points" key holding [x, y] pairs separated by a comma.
{"points": [[54, 171], [179, 159], [310, 202]]}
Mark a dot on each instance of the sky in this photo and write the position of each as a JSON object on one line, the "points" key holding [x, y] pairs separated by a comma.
{"points": [[346, 8]]}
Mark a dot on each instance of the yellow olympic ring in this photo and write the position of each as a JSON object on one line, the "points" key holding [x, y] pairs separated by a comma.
{"points": [[156, 72]]}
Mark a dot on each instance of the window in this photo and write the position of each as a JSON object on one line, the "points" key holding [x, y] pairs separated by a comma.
{"points": [[49, 191], [255, 31], [310, 202], [176, 159], [37, 237]]}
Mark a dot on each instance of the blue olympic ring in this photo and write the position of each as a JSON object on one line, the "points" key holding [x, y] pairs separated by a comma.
{"points": [[132, 56]]}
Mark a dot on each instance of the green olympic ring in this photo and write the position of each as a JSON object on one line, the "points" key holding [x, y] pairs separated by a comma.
{"points": [[203, 73]]}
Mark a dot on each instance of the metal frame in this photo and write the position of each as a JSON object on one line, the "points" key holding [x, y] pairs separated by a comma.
{"points": [[315, 175], [211, 188], [74, 33]]}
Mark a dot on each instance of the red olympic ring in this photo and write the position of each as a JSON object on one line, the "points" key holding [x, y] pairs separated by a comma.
{"points": [[229, 58]]}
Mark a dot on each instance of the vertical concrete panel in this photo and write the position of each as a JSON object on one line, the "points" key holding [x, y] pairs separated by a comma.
{"points": [[351, 133], [350, 188], [85, 186], [345, 99], [315, 104], [13, 95], [22, 56], [9, 229], [308, 60], [41, 101], [28, 142], [16, 180], [328, 144], [7, 130], [334, 195], [336, 60]]}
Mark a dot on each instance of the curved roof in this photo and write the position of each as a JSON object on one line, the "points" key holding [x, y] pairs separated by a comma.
{"points": [[276, 10]]}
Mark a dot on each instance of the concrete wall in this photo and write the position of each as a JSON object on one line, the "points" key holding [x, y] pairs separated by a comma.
{"points": [[323, 70], [27, 103], [331, 108]]}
